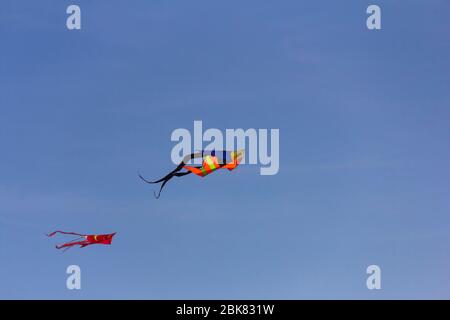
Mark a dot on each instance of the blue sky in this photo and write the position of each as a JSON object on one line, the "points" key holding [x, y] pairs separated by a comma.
{"points": [[364, 130]]}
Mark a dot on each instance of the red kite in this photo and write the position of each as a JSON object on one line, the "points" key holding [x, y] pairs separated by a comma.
{"points": [[210, 164], [88, 239]]}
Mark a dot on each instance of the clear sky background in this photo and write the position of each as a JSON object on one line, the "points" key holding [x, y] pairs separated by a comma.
{"points": [[364, 148]]}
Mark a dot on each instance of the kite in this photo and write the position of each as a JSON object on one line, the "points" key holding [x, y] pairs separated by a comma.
{"points": [[210, 164], [88, 239]]}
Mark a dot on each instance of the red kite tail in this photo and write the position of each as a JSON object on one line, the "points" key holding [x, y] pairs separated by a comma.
{"points": [[62, 232], [71, 244]]}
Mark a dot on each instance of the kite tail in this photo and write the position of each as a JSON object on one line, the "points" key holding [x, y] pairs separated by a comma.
{"points": [[63, 232], [160, 189], [164, 180], [73, 243], [65, 249], [167, 177], [148, 181]]}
